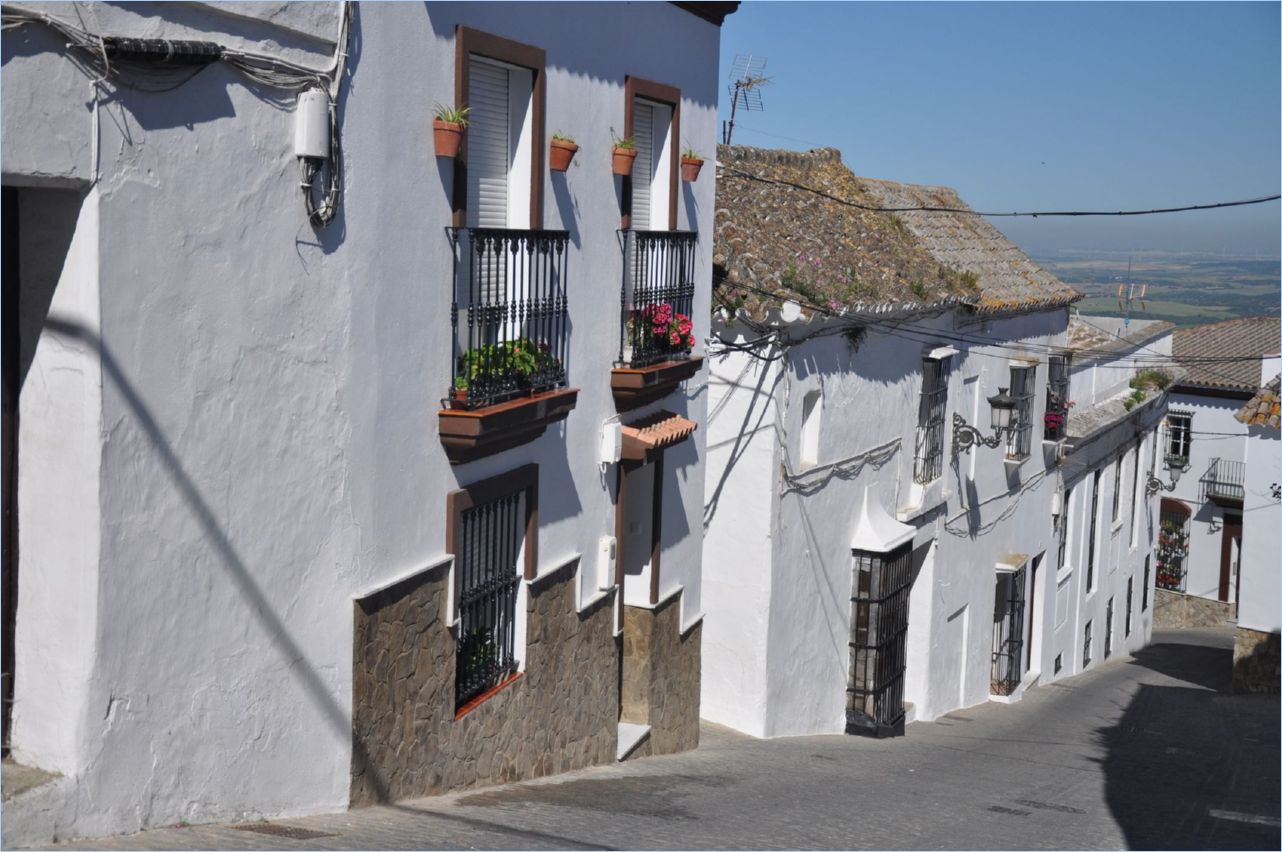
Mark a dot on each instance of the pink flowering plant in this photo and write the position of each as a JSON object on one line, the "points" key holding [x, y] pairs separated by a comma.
{"points": [[660, 328]]}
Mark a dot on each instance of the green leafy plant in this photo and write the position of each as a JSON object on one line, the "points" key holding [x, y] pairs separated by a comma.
{"points": [[558, 136], [1150, 380], [452, 115], [627, 143], [520, 359], [691, 153]]}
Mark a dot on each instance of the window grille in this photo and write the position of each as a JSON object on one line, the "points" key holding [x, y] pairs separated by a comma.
{"points": [[879, 616], [1063, 528], [1008, 632], [489, 541], [657, 297], [510, 314], [1117, 487], [1172, 545], [1020, 442], [1090, 544], [1086, 646], [1144, 588], [929, 460], [1057, 401], [1108, 628], [1179, 438], [1130, 598], [1059, 662], [1135, 490]]}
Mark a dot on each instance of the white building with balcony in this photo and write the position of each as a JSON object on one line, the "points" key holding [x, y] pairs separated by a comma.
{"points": [[311, 497]]}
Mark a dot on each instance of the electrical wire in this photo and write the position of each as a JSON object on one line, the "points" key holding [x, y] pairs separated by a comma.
{"points": [[872, 208]]}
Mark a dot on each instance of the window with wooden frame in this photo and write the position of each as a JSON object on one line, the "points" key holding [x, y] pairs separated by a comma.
{"points": [[928, 462], [1179, 438], [492, 532], [1020, 442], [652, 119], [1090, 539], [1117, 487]]}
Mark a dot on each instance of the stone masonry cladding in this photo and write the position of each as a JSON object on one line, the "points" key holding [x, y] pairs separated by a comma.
{"points": [[1256, 663], [1175, 610], [661, 676], [560, 714]]}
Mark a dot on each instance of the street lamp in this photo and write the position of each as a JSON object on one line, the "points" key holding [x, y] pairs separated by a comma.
{"points": [[1155, 485], [1002, 408]]}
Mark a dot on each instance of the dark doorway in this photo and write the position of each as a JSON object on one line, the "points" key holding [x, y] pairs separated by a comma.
{"points": [[9, 582], [1230, 553]]}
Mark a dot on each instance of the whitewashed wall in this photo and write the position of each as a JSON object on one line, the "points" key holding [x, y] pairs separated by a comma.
{"points": [[1261, 542], [269, 446], [1216, 434]]}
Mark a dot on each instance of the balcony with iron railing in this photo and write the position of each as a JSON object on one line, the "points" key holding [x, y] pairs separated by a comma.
{"points": [[510, 328], [1224, 482], [656, 331]]}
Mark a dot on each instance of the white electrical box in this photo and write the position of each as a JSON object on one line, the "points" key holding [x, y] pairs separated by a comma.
{"points": [[611, 443], [606, 553], [311, 125]]}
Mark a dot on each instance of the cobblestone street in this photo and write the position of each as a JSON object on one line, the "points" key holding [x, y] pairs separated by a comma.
{"points": [[1141, 752]]}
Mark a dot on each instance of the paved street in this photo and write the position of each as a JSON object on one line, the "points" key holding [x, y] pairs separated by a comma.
{"points": [[1145, 752]]}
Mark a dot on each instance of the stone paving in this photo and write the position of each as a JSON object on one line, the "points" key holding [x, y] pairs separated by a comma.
{"points": [[1150, 751]]}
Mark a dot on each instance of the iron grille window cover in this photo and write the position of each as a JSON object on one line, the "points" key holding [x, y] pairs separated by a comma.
{"points": [[489, 542], [657, 297], [1057, 401], [1086, 646], [1130, 599], [509, 314], [879, 628], [929, 460], [1172, 546], [1144, 588], [1224, 479], [1008, 632], [1020, 442], [1108, 628], [1063, 529], [1179, 438], [1117, 487]]}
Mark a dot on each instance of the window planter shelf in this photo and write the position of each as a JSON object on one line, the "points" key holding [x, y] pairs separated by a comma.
{"points": [[636, 386], [468, 435]]}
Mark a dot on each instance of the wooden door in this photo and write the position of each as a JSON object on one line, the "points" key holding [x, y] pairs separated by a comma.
{"points": [[1230, 537]]}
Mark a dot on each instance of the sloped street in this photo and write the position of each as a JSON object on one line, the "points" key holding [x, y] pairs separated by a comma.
{"points": [[1141, 752]]}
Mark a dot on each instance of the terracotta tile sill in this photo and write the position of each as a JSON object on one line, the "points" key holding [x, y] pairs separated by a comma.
{"points": [[636, 386], [469, 435]]}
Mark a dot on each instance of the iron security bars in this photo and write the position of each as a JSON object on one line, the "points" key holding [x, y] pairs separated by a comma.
{"points": [[657, 297], [1020, 442], [487, 580], [929, 460], [1224, 481], [509, 314], [1008, 632], [1057, 402], [879, 628], [1172, 546]]}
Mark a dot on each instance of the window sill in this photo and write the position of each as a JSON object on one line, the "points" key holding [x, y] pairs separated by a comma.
{"points": [[487, 695], [928, 497], [1014, 464], [636, 386], [469, 435], [1063, 574]]}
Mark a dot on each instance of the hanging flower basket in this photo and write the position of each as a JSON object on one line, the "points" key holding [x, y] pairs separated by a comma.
{"points": [[690, 169], [448, 136], [623, 160], [560, 153]]}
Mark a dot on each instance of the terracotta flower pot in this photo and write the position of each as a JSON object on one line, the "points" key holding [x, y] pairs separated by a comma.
{"points": [[560, 154], [690, 169], [448, 136], [458, 398], [623, 160]]}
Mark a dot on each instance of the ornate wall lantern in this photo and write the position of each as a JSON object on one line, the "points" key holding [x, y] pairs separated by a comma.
{"points": [[1002, 407]]}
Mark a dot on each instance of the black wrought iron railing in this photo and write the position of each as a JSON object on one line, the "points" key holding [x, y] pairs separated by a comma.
{"points": [[1055, 421], [1224, 480], [509, 314], [486, 572], [1172, 547], [657, 297], [878, 643], [1008, 635], [928, 460]]}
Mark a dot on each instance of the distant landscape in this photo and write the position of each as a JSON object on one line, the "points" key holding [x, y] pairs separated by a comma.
{"points": [[1181, 289]]}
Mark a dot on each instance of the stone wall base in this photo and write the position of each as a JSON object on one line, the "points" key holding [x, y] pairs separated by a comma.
{"points": [[1256, 662], [661, 676], [1176, 610], [560, 714]]}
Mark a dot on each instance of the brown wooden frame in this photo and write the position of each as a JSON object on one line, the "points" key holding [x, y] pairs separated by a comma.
{"points": [[525, 478], [1230, 525], [633, 88], [466, 42]]}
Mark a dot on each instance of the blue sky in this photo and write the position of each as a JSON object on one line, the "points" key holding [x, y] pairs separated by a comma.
{"points": [[1025, 106]]}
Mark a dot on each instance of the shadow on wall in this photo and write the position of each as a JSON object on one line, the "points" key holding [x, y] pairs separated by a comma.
{"points": [[313, 685], [747, 432], [1191, 767]]}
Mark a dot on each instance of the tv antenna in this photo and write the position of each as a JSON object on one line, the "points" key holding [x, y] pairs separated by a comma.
{"points": [[1127, 296], [746, 80]]}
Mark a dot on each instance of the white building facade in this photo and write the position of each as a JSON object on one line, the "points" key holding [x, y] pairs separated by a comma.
{"points": [[257, 524]]}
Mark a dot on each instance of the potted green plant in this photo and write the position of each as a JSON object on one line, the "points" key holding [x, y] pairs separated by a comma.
{"points": [[561, 152], [447, 129], [691, 162], [458, 393], [625, 154]]}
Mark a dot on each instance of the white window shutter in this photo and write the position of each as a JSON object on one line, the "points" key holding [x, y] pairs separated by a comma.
{"points": [[643, 166], [488, 145]]}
